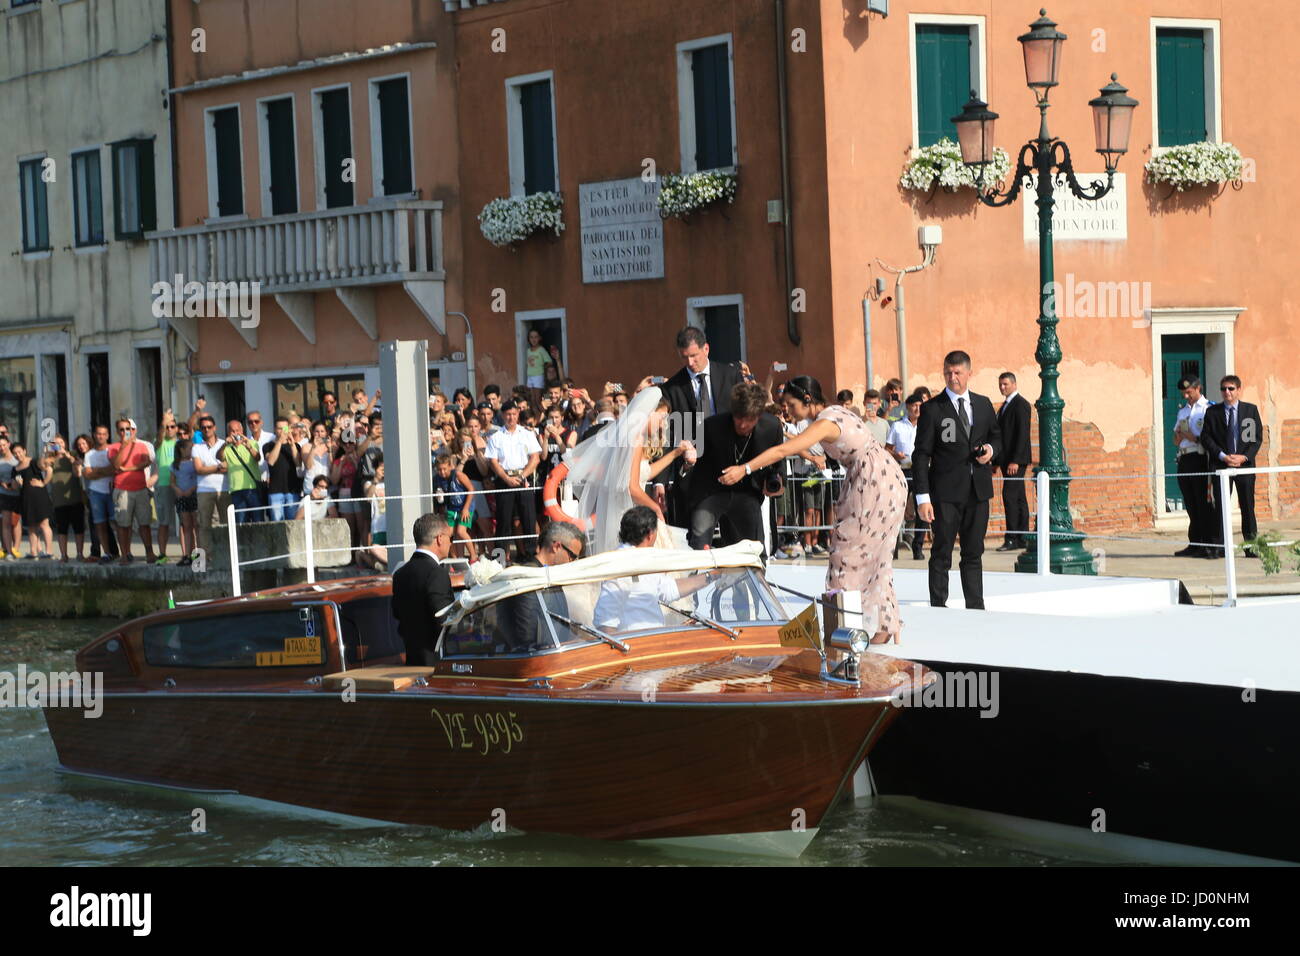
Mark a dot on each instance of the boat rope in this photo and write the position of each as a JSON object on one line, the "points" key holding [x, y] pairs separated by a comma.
{"points": [[816, 600]]}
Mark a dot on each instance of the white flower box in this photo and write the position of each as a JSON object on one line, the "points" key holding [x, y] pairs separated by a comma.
{"points": [[681, 194], [511, 219], [941, 163], [1195, 164]]}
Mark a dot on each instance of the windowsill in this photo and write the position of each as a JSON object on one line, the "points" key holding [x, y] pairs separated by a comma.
{"points": [[218, 220], [90, 249], [392, 198], [1158, 150], [19, 11], [36, 254]]}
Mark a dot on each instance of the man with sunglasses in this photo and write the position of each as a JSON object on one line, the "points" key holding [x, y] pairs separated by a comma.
{"points": [[559, 543], [213, 488], [260, 437], [132, 458], [422, 588], [1232, 437]]}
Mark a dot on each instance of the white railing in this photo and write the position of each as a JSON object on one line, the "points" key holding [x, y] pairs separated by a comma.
{"points": [[1043, 542], [355, 245]]}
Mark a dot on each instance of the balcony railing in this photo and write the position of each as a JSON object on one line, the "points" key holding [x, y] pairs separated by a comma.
{"points": [[398, 241]]}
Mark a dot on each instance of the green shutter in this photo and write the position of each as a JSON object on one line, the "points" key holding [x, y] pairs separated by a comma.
{"points": [[539, 139], [1180, 81], [230, 172], [148, 202], [943, 80], [336, 136], [281, 161], [395, 136], [711, 80]]}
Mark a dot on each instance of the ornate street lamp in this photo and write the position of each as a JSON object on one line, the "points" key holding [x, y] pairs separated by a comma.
{"points": [[1049, 159]]}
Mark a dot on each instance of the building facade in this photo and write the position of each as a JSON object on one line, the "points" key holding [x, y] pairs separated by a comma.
{"points": [[341, 157], [86, 139]]}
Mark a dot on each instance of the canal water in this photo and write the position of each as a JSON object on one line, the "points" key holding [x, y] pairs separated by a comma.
{"points": [[47, 818]]}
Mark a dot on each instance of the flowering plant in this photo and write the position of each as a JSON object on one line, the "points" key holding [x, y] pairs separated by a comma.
{"points": [[1195, 164], [510, 219], [942, 163], [681, 194], [482, 571]]}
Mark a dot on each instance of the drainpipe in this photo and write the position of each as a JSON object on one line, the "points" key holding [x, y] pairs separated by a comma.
{"points": [[470, 377], [901, 311], [792, 323]]}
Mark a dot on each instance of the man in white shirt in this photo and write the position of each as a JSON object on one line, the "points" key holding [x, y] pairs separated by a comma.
{"points": [[260, 436], [213, 486], [513, 454], [1193, 464], [98, 472], [871, 415], [632, 603], [899, 443]]}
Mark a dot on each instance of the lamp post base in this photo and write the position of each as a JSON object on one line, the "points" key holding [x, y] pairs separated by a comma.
{"points": [[1065, 557]]}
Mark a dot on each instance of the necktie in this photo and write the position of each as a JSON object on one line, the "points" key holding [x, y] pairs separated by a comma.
{"points": [[961, 410], [1232, 430], [706, 400]]}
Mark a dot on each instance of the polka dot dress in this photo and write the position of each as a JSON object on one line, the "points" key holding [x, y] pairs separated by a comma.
{"points": [[868, 516]]}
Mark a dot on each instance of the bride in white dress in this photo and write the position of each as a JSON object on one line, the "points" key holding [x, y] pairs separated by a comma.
{"points": [[612, 468]]}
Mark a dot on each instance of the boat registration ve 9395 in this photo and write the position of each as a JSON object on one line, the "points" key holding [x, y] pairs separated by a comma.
{"points": [[301, 696]]}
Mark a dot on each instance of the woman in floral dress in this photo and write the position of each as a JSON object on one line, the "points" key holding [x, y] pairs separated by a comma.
{"points": [[869, 511]]}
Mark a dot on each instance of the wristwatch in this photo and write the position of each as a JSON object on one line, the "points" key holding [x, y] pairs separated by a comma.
{"points": [[747, 469]]}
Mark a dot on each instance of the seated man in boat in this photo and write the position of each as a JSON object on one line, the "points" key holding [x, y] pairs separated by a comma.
{"points": [[632, 603], [560, 543]]}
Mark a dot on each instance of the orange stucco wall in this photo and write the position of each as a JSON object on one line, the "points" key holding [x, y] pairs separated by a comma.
{"points": [[248, 37]]}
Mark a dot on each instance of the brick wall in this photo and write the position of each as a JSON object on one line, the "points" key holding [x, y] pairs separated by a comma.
{"points": [[1288, 486]]}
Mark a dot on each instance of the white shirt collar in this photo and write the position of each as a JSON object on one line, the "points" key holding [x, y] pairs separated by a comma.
{"points": [[1011, 396], [429, 553], [953, 396]]}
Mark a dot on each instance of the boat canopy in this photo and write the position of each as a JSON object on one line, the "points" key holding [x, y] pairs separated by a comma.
{"points": [[519, 579]]}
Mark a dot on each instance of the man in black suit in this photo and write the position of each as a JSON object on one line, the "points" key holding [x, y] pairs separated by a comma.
{"points": [[422, 588], [559, 543], [1232, 436], [731, 438], [1013, 423], [700, 388], [956, 439]]}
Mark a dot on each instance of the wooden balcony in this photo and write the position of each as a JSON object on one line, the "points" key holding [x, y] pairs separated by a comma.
{"points": [[348, 250]]}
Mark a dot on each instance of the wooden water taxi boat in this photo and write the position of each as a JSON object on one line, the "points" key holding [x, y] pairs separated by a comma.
{"points": [[709, 730]]}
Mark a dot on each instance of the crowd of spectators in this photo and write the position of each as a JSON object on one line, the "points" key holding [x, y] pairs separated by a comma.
{"points": [[490, 457]]}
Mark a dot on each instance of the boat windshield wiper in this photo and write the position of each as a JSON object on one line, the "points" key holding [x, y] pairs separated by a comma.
{"points": [[703, 621], [586, 629]]}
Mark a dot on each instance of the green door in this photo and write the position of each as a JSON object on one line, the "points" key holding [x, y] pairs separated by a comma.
{"points": [[1181, 356]]}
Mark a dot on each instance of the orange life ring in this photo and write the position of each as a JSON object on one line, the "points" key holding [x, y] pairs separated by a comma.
{"points": [[551, 503]]}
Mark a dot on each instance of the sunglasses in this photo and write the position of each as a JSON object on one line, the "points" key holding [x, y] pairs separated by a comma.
{"points": [[1227, 388], [575, 557]]}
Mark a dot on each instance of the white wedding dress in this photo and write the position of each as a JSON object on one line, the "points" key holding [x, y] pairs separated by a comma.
{"points": [[599, 469]]}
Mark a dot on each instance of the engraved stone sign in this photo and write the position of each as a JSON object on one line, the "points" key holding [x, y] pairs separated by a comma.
{"points": [[622, 234]]}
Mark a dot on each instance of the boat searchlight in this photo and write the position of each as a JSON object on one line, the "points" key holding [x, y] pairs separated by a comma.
{"points": [[852, 642]]}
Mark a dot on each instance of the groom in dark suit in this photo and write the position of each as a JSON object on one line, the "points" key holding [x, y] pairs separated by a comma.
{"points": [[956, 439], [1232, 437], [731, 438], [700, 388]]}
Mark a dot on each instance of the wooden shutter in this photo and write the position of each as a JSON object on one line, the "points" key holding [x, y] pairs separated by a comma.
{"points": [[711, 78], [1180, 80], [943, 79], [539, 144], [336, 132], [230, 173], [395, 136], [281, 161]]}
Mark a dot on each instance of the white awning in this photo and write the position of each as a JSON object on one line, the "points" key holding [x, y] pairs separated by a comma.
{"points": [[517, 579]]}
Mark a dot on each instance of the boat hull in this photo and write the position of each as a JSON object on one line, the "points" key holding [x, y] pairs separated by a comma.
{"points": [[619, 770]]}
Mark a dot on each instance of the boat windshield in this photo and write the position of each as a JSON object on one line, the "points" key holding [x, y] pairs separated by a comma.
{"points": [[557, 617]]}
